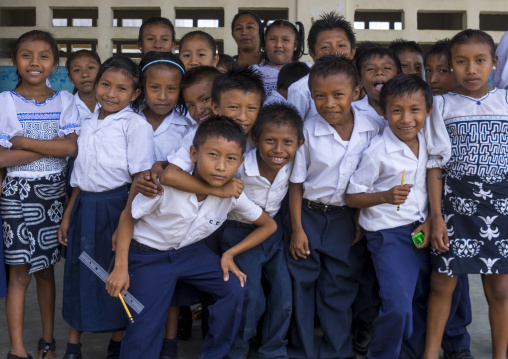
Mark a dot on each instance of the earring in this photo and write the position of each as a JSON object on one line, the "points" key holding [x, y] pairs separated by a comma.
{"points": [[493, 67], [451, 70]]}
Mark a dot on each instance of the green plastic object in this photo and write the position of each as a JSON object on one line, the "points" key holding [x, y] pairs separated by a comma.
{"points": [[418, 238]]}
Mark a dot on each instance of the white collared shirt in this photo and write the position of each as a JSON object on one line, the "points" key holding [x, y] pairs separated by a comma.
{"points": [[83, 109], [325, 162], [167, 138], [300, 97], [56, 116], [181, 157], [380, 169], [111, 151], [175, 219], [258, 189], [275, 97], [368, 111]]}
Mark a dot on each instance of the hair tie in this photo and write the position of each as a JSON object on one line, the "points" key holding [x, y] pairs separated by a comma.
{"points": [[168, 61], [105, 66]]}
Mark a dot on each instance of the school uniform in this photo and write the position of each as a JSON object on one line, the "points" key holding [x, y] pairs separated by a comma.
{"points": [[275, 97], [300, 97], [110, 152], [167, 247], [267, 259], [402, 269], [368, 111], [167, 138], [328, 277]]}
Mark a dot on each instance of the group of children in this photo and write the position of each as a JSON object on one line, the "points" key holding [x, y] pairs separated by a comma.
{"points": [[277, 193]]}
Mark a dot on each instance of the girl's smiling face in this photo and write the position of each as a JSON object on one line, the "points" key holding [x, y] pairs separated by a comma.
{"points": [[115, 91], [195, 52], [472, 63], [156, 37], [34, 61]]}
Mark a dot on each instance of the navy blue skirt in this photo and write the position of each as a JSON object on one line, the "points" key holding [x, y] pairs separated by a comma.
{"points": [[87, 306]]}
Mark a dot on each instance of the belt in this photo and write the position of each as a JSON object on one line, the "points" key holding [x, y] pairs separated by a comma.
{"points": [[321, 207], [135, 243]]}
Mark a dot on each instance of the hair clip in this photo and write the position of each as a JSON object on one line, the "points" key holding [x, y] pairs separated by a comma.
{"points": [[105, 66]]}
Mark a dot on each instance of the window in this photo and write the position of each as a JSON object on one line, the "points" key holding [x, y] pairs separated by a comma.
{"points": [[75, 17], [378, 20], [441, 20], [494, 22], [17, 16], [133, 17], [127, 48], [271, 14], [199, 17], [6, 47], [66, 47]]}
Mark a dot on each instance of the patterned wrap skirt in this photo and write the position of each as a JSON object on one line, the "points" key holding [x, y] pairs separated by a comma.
{"points": [[3, 277], [475, 210], [31, 213], [87, 306]]}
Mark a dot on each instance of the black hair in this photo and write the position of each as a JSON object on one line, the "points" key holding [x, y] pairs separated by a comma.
{"points": [[405, 85], [290, 73], [401, 45], [468, 35], [225, 61], [378, 51], [239, 77], [278, 113], [440, 48], [210, 41], [330, 21], [127, 66], [258, 21], [77, 54], [153, 21], [162, 59], [299, 32], [198, 74], [329, 65], [35, 35], [217, 126]]}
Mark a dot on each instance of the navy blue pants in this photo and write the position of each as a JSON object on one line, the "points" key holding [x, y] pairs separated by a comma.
{"points": [[456, 336], [153, 276], [402, 271], [268, 260], [326, 280]]}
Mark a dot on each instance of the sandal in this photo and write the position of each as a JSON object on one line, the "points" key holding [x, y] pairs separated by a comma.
{"points": [[46, 347]]}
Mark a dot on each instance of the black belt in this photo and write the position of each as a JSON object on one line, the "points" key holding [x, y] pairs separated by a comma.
{"points": [[135, 243], [318, 206]]}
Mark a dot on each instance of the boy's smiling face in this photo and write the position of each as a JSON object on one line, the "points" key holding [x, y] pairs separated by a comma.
{"points": [[375, 72], [198, 100], [216, 160], [406, 115], [411, 63], [333, 95], [243, 107], [333, 41]]}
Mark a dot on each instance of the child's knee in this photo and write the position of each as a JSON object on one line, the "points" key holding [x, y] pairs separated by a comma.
{"points": [[19, 277], [496, 287], [47, 274], [441, 284]]}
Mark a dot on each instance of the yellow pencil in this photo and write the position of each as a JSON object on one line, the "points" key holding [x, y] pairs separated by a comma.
{"points": [[402, 184], [125, 306]]}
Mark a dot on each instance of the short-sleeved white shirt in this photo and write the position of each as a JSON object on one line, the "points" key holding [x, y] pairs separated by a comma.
{"points": [[167, 138], [111, 151], [369, 112], [300, 97], [380, 169], [83, 109], [175, 219], [258, 189], [325, 162], [55, 116]]}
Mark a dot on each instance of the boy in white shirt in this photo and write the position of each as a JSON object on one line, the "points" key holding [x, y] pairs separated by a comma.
{"points": [[167, 246], [392, 212], [321, 261]]}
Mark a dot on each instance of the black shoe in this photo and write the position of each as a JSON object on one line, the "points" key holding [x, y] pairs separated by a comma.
{"points": [[114, 350], [12, 356], [185, 323], [72, 356], [46, 347], [362, 335], [460, 354]]}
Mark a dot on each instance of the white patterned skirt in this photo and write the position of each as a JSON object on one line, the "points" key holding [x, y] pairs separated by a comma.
{"points": [[475, 210], [31, 213]]}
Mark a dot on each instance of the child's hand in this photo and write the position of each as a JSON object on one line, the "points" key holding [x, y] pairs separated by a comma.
{"points": [[146, 186], [425, 228], [359, 230], [299, 246], [439, 235], [228, 265], [233, 188], [398, 194], [63, 230], [118, 281]]}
